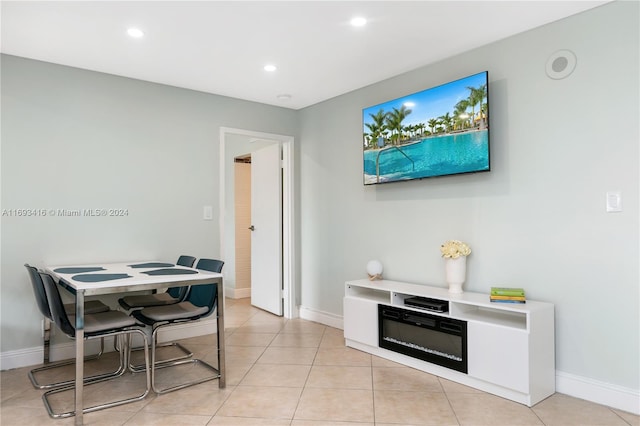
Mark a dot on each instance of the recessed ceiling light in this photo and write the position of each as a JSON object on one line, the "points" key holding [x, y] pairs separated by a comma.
{"points": [[358, 21], [284, 97], [270, 68], [135, 32]]}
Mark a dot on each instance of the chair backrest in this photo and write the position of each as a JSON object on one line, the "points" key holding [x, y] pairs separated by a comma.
{"points": [[177, 292], [38, 291], [206, 295], [185, 260], [58, 313], [181, 292], [212, 265]]}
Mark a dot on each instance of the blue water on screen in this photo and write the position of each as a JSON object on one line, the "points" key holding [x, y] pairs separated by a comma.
{"points": [[434, 156]]}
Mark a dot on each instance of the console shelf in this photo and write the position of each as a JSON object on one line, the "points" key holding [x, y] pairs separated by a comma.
{"points": [[510, 347]]}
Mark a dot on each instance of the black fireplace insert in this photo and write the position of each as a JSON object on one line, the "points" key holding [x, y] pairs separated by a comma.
{"points": [[432, 338]]}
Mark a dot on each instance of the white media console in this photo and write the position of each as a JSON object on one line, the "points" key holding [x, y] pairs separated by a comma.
{"points": [[510, 347]]}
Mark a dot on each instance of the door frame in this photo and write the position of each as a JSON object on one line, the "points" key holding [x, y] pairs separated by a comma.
{"points": [[288, 203]]}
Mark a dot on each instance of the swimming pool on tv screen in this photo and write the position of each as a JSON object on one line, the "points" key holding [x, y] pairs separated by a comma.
{"points": [[434, 156]]}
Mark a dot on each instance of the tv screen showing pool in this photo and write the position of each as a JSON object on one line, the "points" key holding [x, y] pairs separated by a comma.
{"points": [[440, 131]]}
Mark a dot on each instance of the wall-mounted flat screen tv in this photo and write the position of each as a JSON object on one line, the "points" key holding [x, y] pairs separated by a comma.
{"points": [[436, 132]]}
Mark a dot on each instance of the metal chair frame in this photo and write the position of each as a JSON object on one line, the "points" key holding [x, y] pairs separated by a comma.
{"points": [[34, 381], [195, 298], [66, 325], [180, 294], [43, 306], [137, 368], [123, 357]]}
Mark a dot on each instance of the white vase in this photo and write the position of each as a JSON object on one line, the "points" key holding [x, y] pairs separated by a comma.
{"points": [[455, 273]]}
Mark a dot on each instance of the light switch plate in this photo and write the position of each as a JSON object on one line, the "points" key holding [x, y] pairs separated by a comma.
{"points": [[207, 213], [614, 201]]}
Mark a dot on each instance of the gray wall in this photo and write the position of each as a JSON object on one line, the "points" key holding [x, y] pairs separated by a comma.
{"points": [[537, 220], [73, 139]]}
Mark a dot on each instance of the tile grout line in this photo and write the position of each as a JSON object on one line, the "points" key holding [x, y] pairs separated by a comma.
{"points": [[306, 380]]}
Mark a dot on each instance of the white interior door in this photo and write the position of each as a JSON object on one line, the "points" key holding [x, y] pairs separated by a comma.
{"points": [[266, 235]]}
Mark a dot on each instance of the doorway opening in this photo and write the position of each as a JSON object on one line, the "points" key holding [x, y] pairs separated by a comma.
{"points": [[242, 144], [242, 228]]}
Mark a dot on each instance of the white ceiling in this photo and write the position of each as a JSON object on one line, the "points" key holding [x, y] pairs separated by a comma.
{"points": [[221, 46]]}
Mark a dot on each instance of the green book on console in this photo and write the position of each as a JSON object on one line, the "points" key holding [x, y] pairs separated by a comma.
{"points": [[507, 291]]}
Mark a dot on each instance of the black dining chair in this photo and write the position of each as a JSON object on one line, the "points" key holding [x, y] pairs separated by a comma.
{"points": [[200, 303], [98, 325], [171, 296], [91, 307]]}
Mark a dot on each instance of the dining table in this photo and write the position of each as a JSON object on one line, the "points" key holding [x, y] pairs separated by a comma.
{"points": [[123, 277]]}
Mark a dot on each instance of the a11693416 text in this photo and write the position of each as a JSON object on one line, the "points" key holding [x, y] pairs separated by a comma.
{"points": [[99, 212]]}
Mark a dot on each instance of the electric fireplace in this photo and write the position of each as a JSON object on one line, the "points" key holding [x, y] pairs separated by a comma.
{"points": [[436, 339]]}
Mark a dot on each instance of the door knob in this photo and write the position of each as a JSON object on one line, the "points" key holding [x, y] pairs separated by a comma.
{"points": [[253, 228]]}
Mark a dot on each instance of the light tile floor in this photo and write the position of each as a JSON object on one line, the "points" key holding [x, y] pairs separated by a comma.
{"points": [[298, 373]]}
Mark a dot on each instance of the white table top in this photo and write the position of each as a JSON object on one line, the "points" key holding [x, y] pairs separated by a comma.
{"points": [[137, 279]]}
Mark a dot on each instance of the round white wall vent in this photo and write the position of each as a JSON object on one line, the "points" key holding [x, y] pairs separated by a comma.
{"points": [[561, 64]]}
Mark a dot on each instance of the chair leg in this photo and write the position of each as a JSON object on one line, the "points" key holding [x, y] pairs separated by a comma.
{"points": [[49, 366], [137, 368], [124, 361], [165, 362], [47, 339], [155, 366]]}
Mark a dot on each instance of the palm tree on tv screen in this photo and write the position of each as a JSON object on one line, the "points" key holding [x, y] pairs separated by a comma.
{"points": [[476, 96], [394, 121], [378, 127], [482, 95], [460, 112], [433, 122], [447, 122], [473, 101]]}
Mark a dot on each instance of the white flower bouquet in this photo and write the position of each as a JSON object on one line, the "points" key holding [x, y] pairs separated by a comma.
{"points": [[453, 249]]}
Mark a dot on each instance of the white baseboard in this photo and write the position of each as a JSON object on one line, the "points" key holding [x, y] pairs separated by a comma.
{"points": [[237, 293], [34, 356], [326, 318], [21, 358], [67, 350], [184, 331], [613, 396]]}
